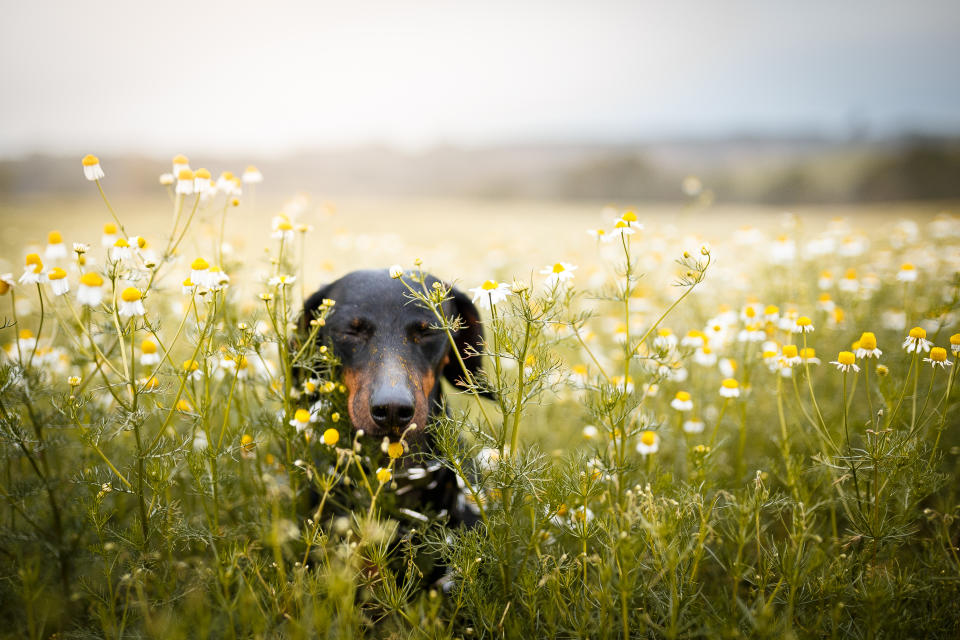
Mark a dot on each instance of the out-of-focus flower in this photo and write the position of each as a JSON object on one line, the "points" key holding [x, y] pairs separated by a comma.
{"points": [[109, 237], [149, 355], [648, 444], [91, 167], [58, 281], [252, 175], [90, 290], [730, 388], [185, 182], [907, 273], [56, 249], [682, 402], [32, 270], [131, 303]]}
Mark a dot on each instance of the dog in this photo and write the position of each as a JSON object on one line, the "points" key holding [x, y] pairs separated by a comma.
{"points": [[392, 358]]}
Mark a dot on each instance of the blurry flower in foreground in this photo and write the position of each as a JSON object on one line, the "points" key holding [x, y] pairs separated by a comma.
{"points": [[868, 346], [252, 175], [693, 425], [26, 339], [91, 167], [150, 356], [558, 273], [809, 356], [682, 401], [90, 291], [131, 303], [166, 179], [490, 292], [58, 281], [6, 282], [120, 250], [938, 358], [907, 273], [109, 236], [384, 475], [179, 163], [282, 281], [917, 340], [730, 388], [301, 419], [201, 180], [590, 432], [955, 343], [803, 325], [282, 228], [55, 247], [599, 234], [845, 361], [185, 182], [649, 443], [32, 270], [396, 272], [395, 450]]}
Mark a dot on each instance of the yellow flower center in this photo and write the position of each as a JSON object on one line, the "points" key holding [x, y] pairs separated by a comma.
{"points": [[54, 237], [227, 175], [90, 160], [35, 261], [683, 396], [131, 294], [331, 436], [868, 341], [558, 268], [252, 169], [302, 415], [730, 383], [148, 346], [938, 354], [771, 309], [384, 475], [851, 274], [955, 339], [664, 332], [906, 266], [202, 174], [190, 365], [918, 332], [246, 441], [180, 159], [110, 228], [629, 216], [91, 279], [57, 274], [185, 174], [25, 334], [395, 450], [141, 242], [648, 438], [121, 243], [808, 353], [284, 225], [846, 358], [199, 265], [489, 285], [790, 351], [804, 321]]}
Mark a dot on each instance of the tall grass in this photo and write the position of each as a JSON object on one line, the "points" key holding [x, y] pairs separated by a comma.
{"points": [[190, 471]]}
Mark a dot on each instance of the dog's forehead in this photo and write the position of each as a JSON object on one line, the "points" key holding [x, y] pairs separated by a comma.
{"points": [[375, 291]]}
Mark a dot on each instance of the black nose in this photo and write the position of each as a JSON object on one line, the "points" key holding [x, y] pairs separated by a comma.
{"points": [[392, 408]]}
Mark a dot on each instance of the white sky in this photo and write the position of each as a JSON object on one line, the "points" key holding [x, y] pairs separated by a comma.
{"points": [[133, 75]]}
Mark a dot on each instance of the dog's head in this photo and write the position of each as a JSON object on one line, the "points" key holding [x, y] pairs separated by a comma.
{"points": [[392, 357]]}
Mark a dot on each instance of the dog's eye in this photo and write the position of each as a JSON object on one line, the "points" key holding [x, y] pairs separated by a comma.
{"points": [[420, 331], [357, 329]]}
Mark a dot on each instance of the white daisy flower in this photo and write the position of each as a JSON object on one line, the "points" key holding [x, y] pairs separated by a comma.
{"points": [[693, 425], [490, 292], [559, 273], [90, 290], [109, 237], [730, 388], [907, 273], [131, 303], [682, 401], [148, 353], [58, 281], [282, 281], [938, 358], [845, 361], [648, 444], [185, 182], [917, 341], [121, 250], [179, 163], [32, 270], [868, 346], [91, 167], [252, 175], [302, 419], [56, 249]]}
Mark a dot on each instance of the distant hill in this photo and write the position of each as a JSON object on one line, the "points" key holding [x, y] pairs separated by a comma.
{"points": [[747, 169]]}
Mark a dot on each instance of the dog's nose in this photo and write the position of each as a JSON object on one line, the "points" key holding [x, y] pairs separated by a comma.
{"points": [[392, 408]]}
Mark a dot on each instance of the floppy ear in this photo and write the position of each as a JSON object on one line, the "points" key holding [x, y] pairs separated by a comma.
{"points": [[302, 333], [469, 341]]}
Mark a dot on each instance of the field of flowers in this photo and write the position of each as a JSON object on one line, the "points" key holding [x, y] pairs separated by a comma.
{"points": [[705, 423]]}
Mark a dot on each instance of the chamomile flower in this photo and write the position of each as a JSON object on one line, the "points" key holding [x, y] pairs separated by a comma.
{"points": [[791, 356], [131, 303], [907, 273], [559, 273], [599, 234], [302, 419], [6, 283], [917, 341], [825, 281], [621, 228], [32, 270], [109, 237], [490, 292], [91, 167], [955, 343], [148, 353], [395, 450], [849, 283], [192, 369], [868, 346], [201, 181], [665, 339], [705, 357], [179, 163], [730, 388], [185, 182], [200, 272], [783, 250], [281, 281], [396, 271], [938, 358], [384, 475], [121, 250], [56, 249], [694, 338], [187, 287], [682, 402], [589, 432], [166, 179], [825, 302], [252, 175], [809, 356], [648, 444], [693, 425], [26, 340], [90, 290], [845, 361], [282, 228], [58, 281], [217, 279], [331, 437], [803, 324]]}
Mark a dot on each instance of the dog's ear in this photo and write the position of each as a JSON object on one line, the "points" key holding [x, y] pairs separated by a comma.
{"points": [[310, 307], [469, 340]]}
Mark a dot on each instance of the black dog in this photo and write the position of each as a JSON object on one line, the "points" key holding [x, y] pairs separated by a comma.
{"points": [[392, 358]]}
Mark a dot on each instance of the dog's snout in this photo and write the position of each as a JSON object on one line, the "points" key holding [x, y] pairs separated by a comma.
{"points": [[392, 408]]}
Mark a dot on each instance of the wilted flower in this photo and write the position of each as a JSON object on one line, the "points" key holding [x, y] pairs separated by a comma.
{"points": [[90, 291], [32, 270], [917, 340], [130, 303], [58, 281]]}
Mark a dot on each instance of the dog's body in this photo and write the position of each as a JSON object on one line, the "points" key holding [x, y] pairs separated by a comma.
{"points": [[392, 358]]}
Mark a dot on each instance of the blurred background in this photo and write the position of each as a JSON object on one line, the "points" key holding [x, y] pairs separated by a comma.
{"points": [[453, 111]]}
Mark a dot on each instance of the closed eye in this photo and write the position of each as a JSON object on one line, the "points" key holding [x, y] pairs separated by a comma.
{"points": [[356, 329], [422, 331]]}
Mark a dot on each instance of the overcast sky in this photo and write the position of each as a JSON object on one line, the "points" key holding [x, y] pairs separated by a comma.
{"points": [[134, 75]]}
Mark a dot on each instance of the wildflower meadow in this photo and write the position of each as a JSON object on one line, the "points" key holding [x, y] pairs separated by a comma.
{"points": [[679, 430]]}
